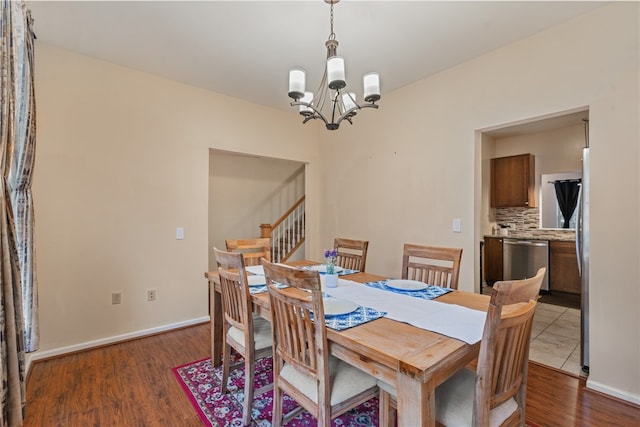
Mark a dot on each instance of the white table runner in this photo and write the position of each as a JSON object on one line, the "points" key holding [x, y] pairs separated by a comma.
{"points": [[255, 269], [452, 320], [259, 270]]}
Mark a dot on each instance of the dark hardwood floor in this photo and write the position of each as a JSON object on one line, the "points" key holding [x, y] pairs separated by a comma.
{"points": [[132, 384], [564, 299], [125, 384]]}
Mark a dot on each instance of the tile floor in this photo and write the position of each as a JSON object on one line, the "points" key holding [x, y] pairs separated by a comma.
{"points": [[555, 338]]}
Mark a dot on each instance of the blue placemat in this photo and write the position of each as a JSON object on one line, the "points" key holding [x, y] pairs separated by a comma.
{"points": [[358, 317], [263, 288], [257, 289], [430, 292], [342, 272]]}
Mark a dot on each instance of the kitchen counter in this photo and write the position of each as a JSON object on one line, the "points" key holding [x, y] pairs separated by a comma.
{"points": [[539, 234]]}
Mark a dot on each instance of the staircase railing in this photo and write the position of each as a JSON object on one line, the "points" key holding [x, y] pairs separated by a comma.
{"points": [[287, 233]]}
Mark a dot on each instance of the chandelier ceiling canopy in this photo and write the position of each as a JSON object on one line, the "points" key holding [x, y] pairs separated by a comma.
{"points": [[332, 103]]}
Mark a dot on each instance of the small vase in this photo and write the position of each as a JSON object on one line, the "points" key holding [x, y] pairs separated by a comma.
{"points": [[330, 280]]}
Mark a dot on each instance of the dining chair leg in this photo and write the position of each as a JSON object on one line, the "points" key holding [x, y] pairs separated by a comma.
{"points": [[249, 379], [386, 416], [226, 364], [276, 419], [324, 417]]}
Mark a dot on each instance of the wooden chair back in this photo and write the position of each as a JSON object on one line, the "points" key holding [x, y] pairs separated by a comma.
{"points": [[504, 350], [249, 336], [234, 289], [251, 249], [352, 254], [432, 265], [299, 334]]}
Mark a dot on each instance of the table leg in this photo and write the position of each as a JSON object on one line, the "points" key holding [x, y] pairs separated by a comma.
{"points": [[416, 402], [215, 314]]}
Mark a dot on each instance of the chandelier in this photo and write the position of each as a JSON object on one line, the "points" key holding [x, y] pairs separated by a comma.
{"points": [[332, 98]]}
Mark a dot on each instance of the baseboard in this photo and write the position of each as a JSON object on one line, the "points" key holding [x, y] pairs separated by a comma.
{"points": [[32, 357], [601, 388]]}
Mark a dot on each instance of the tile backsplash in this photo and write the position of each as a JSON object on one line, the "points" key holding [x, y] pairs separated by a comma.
{"points": [[525, 222], [521, 218]]}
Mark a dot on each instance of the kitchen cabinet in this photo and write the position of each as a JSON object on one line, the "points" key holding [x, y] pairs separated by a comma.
{"points": [[492, 260], [563, 268], [513, 181]]}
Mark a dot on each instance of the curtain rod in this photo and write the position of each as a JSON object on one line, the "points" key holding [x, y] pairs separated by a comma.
{"points": [[578, 180]]}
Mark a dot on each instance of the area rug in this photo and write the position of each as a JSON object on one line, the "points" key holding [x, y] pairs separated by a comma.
{"points": [[201, 383]]}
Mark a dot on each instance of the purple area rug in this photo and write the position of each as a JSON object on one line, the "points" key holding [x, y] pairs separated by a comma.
{"points": [[201, 383]]}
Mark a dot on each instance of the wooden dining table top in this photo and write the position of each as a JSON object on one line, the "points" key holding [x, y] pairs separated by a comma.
{"points": [[413, 360]]}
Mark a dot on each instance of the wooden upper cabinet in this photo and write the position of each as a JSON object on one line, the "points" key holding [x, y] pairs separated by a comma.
{"points": [[513, 181]]}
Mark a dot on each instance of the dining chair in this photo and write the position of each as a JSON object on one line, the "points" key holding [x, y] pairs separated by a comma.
{"points": [[495, 394], [352, 254], [322, 384], [432, 265], [246, 333], [251, 249]]}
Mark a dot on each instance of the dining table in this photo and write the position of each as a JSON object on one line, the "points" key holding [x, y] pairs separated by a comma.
{"points": [[411, 359]]}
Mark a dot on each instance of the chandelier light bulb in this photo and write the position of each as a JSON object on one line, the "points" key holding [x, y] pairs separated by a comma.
{"points": [[371, 87], [307, 98], [335, 73], [349, 101], [296, 83]]}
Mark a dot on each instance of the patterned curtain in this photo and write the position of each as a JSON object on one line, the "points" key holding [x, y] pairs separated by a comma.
{"points": [[21, 168], [17, 125]]}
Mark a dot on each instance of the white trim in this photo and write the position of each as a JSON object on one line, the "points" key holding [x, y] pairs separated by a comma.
{"points": [[32, 357], [613, 392]]}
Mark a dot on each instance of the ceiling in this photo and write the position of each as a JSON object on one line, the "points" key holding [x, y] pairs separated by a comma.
{"points": [[245, 49], [541, 124]]}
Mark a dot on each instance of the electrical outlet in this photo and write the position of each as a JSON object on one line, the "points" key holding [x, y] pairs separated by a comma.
{"points": [[151, 295], [116, 298]]}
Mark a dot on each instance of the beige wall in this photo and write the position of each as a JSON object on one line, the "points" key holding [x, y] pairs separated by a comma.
{"points": [[558, 150], [417, 163], [122, 160]]}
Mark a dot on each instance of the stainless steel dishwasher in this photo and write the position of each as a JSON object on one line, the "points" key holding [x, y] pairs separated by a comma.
{"points": [[523, 258]]}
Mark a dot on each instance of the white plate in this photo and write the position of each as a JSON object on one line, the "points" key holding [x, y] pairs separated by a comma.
{"points": [[336, 306], [322, 268], [257, 280], [406, 285]]}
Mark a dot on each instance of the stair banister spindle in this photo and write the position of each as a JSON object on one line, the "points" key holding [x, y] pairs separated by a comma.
{"points": [[287, 233]]}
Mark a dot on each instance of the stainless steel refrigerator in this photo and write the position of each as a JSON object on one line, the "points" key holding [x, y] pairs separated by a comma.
{"points": [[582, 250]]}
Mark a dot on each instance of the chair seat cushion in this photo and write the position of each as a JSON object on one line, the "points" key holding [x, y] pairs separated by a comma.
{"points": [[261, 333], [454, 402], [346, 381]]}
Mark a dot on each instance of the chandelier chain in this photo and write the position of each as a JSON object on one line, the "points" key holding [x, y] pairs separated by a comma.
{"points": [[332, 35]]}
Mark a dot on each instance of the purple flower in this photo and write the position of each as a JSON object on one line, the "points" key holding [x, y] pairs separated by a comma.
{"points": [[331, 255]]}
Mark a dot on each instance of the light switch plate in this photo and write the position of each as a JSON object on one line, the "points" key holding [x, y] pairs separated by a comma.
{"points": [[456, 225], [179, 233]]}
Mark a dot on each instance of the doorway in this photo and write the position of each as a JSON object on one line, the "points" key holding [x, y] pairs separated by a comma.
{"points": [[246, 191], [556, 141]]}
